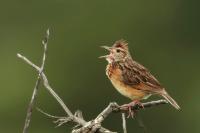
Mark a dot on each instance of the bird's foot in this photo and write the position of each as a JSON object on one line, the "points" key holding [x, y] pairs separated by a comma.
{"points": [[128, 107]]}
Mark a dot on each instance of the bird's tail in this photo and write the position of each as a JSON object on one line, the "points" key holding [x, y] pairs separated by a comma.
{"points": [[170, 100]]}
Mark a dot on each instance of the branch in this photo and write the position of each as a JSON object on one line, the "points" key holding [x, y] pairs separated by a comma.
{"points": [[51, 91], [114, 108], [78, 120], [124, 122], [35, 91]]}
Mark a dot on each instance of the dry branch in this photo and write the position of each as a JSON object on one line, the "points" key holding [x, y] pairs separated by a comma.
{"points": [[124, 123], [35, 91], [91, 126]]}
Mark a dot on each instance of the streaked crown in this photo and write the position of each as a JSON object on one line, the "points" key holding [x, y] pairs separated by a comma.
{"points": [[121, 44]]}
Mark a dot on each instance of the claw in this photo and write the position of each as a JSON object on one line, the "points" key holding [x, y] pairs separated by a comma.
{"points": [[128, 107]]}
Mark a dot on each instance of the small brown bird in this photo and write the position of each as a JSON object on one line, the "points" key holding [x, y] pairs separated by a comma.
{"points": [[130, 78]]}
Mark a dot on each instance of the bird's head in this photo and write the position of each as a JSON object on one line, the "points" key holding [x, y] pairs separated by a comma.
{"points": [[118, 52]]}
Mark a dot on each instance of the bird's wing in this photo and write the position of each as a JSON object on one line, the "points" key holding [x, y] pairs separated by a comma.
{"points": [[139, 77]]}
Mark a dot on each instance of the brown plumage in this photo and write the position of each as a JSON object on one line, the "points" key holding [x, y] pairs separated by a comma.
{"points": [[129, 77]]}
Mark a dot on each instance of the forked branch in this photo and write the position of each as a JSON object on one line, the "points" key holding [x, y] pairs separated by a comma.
{"points": [[35, 90]]}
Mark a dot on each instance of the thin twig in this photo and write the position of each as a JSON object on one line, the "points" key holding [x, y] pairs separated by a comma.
{"points": [[35, 91], [44, 42], [124, 123], [49, 115], [60, 120], [52, 92]]}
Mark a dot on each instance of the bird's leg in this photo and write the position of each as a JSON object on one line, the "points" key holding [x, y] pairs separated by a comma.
{"points": [[129, 106]]}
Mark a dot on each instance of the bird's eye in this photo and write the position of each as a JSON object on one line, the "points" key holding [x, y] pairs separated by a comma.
{"points": [[117, 50]]}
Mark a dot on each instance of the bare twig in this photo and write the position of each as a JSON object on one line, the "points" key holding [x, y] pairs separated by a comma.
{"points": [[35, 91], [124, 123], [74, 118], [52, 92], [49, 115], [60, 120]]}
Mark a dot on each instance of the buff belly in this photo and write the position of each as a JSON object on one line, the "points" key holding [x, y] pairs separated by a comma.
{"points": [[126, 90]]}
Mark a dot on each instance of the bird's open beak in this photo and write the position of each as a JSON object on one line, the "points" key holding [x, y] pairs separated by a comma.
{"points": [[104, 56], [107, 48]]}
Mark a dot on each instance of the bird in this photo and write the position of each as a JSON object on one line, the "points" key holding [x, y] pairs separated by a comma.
{"points": [[131, 78]]}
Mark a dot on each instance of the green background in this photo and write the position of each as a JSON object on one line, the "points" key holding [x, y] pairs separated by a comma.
{"points": [[162, 35]]}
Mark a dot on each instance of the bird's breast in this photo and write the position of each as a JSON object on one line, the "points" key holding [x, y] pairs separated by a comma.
{"points": [[114, 73]]}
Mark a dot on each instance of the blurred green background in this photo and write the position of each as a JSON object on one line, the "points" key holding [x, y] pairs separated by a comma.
{"points": [[162, 35]]}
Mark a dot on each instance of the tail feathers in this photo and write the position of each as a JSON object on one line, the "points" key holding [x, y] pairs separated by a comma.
{"points": [[171, 100]]}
